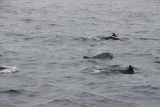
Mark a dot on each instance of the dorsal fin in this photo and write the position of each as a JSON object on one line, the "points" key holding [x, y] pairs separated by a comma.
{"points": [[131, 69], [114, 35]]}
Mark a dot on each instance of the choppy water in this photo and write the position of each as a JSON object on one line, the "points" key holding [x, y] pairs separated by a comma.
{"points": [[47, 39]]}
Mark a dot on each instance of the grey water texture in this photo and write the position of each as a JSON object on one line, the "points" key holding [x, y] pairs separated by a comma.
{"points": [[47, 39]]}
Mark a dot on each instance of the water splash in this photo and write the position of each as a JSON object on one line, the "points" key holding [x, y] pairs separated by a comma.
{"points": [[10, 70]]}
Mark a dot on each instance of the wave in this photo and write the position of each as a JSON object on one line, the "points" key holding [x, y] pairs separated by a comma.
{"points": [[150, 39], [63, 102]]}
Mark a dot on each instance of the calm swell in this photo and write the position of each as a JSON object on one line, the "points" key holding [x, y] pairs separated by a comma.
{"points": [[46, 42]]}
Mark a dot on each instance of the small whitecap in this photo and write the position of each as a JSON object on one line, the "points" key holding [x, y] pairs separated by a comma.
{"points": [[97, 71]]}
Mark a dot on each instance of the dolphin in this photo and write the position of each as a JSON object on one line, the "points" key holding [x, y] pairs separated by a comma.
{"points": [[113, 37], [12, 91], [2, 68], [8, 69], [100, 56], [128, 71]]}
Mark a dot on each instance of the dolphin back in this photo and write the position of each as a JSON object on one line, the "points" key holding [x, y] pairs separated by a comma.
{"points": [[86, 57]]}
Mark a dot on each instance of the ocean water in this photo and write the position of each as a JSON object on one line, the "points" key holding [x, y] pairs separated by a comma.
{"points": [[47, 39]]}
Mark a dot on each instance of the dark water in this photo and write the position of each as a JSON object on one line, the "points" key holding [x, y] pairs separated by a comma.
{"points": [[47, 39]]}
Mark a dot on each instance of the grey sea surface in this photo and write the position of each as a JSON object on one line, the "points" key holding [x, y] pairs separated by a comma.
{"points": [[47, 39]]}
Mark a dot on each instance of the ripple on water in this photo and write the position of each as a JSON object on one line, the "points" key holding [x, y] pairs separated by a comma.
{"points": [[62, 103], [28, 20], [147, 90], [155, 39], [29, 38], [6, 104]]}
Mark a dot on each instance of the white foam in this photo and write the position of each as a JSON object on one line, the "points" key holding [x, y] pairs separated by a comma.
{"points": [[97, 71]]}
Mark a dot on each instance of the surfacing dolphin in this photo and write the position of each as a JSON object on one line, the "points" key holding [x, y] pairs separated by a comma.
{"points": [[8, 69], [128, 71], [2, 68], [113, 37], [100, 56]]}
